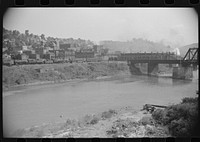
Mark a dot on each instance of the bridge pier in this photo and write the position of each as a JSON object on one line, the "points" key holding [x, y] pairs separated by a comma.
{"points": [[194, 67], [133, 69], [152, 68], [183, 72]]}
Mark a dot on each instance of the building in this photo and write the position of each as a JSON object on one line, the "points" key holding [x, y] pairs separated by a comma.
{"points": [[41, 51], [28, 52], [4, 49], [34, 56], [88, 50], [61, 54], [24, 47], [21, 57], [49, 48], [6, 56], [65, 46], [49, 56], [17, 49], [118, 53], [95, 48], [84, 54]]}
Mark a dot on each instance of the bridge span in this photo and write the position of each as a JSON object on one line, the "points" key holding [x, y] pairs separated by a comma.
{"points": [[184, 67]]}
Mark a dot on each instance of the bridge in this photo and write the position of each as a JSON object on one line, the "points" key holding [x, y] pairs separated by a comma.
{"points": [[153, 59]]}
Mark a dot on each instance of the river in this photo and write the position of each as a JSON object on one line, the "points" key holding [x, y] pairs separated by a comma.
{"points": [[29, 106]]}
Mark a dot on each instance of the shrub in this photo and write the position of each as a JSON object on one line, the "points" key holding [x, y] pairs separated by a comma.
{"points": [[108, 114], [89, 120], [156, 131], [146, 120], [94, 120], [189, 100], [158, 116], [123, 127], [180, 118]]}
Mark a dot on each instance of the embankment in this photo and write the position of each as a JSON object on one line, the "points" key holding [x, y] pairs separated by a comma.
{"points": [[35, 74], [175, 120]]}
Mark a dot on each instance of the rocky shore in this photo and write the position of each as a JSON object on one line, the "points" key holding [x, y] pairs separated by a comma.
{"points": [[124, 122], [175, 120]]}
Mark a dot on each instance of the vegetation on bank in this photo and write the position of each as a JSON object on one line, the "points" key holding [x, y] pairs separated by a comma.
{"points": [[180, 118], [25, 74], [70, 126]]}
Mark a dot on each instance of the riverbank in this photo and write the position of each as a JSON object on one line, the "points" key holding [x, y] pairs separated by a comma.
{"points": [[124, 122], [174, 120], [28, 75]]}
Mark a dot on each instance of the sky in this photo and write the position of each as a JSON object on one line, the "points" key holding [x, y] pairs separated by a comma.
{"points": [[170, 26]]}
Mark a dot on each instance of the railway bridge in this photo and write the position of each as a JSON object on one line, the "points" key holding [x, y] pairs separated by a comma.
{"points": [[184, 67]]}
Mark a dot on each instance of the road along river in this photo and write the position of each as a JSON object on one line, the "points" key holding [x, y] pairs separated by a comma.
{"points": [[31, 106]]}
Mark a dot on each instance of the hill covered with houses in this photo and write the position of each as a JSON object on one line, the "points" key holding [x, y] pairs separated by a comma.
{"points": [[38, 46]]}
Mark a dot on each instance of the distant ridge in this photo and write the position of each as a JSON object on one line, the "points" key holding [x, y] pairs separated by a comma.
{"points": [[184, 49], [135, 45]]}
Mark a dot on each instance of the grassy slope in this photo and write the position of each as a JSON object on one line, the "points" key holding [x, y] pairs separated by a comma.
{"points": [[26, 74]]}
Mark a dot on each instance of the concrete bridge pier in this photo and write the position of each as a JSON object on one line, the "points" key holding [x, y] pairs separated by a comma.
{"points": [[183, 72], [152, 68], [194, 67], [133, 69]]}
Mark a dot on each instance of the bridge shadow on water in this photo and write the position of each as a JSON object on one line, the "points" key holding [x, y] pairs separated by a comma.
{"points": [[153, 80]]}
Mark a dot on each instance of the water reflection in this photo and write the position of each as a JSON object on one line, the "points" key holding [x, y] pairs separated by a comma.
{"points": [[178, 82]]}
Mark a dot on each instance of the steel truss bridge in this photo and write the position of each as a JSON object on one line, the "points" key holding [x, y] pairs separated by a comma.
{"points": [[191, 57]]}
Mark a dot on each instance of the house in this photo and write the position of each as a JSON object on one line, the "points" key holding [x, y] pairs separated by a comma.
{"points": [[21, 57], [24, 48], [69, 53], [6, 56], [49, 56], [65, 46], [84, 54], [87, 50], [17, 49], [27, 52], [95, 48], [41, 51], [49, 48], [34, 56], [118, 53]]}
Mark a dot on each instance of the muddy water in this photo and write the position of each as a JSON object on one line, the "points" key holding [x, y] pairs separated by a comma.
{"points": [[54, 103]]}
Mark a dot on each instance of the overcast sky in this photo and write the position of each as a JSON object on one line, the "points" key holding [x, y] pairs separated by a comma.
{"points": [[176, 27]]}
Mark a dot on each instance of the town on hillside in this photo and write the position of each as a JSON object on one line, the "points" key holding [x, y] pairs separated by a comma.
{"points": [[25, 48]]}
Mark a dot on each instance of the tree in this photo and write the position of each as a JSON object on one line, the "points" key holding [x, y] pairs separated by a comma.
{"points": [[16, 33], [42, 36], [27, 32]]}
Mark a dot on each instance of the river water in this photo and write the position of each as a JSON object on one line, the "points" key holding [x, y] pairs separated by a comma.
{"points": [[31, 106]]}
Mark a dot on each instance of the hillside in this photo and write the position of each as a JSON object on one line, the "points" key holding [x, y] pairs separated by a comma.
{"points": [[13, 40], [33, 74], [184, 49], [135, 45]]}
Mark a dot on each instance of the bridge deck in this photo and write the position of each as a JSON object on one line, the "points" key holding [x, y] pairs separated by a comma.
{"points": [[165, 61]]}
